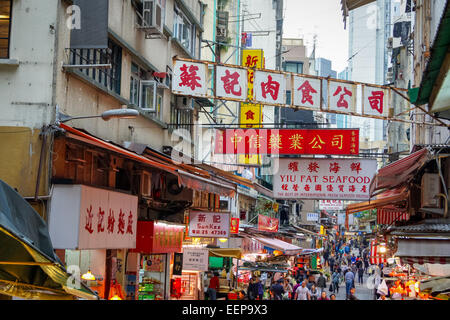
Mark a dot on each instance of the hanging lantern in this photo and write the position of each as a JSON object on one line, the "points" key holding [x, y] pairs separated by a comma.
{"points": [[88, 276]]}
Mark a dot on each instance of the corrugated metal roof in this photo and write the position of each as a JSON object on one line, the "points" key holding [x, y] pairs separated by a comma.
{"points": [[427, 226]]}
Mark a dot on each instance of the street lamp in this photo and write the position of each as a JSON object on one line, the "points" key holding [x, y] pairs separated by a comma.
{"points": [[114, 113]]}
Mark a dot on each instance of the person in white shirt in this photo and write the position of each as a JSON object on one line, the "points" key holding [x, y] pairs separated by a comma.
{"points": [[302, 292]]}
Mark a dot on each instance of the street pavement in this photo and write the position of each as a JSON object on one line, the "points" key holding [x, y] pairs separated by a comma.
{"points": [[361, 290]]}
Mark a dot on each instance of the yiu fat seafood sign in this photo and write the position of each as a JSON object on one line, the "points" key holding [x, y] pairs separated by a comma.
{"points": [[340, 179]]}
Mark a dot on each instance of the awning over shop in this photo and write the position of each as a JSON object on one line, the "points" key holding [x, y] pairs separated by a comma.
{"points": [[423, 251], [276, 244], [386, 198], [202, 184], [308, 231], [399, 172], [226, 253], [390, 214], [29, 267], [87, 138]]}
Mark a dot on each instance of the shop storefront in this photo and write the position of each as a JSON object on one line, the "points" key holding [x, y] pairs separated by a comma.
{"points": [[92, 228], [150, 268]]}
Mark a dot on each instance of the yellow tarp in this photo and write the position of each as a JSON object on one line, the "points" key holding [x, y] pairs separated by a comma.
{"points": [[226, 253]]}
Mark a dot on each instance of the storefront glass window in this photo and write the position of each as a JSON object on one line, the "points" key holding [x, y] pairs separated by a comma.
{"points": [[152, 277]]}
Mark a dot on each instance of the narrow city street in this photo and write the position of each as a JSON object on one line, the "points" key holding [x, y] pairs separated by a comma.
{"points": [[194, 151]]}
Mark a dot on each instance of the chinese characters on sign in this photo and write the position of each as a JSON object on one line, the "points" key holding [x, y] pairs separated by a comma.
{"points": [[234, 227], [375, 101], [189, 78], [177, 263], [306, 92], [341, 179], [341, 96], [209, 224], [253, 86], [312, 217], [108, 219], [288, 141], [269, 88], [335, 204], [231, 82], [195, 259]]}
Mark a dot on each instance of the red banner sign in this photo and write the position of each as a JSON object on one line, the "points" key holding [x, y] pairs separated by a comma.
{"points": [[288, 141], [266, 223], [234, 226], [158, 237]]}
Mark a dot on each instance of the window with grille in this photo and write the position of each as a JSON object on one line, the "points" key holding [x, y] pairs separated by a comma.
{"points": [[109, 78]]}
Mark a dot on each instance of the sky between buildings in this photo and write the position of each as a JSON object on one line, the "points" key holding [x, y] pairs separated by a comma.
{"points": [[304, 18]]}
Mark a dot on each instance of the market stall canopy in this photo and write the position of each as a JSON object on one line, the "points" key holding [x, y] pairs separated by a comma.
{"points": [[276, 244], [386, 198], [226, 253], [29, 267], [400, 171], [307, 252], [436, 286], [208, 185], [90, 139], [421, 251], [433, 269]]}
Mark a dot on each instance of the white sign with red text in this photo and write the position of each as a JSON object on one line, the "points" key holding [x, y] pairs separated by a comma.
{"points": [[328, 179], [83, 217], [189, 78], [231, 82], [306, 92], [332, 205], [209, 224], [269, 88], [375, 101], [341, 96]]}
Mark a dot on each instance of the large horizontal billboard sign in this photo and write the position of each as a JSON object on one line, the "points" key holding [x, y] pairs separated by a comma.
{"points": [[288, 141], [329, 179]]}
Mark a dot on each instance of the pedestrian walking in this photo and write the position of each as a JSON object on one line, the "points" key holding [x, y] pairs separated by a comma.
{"points": [[287, 289], [277, 290], [360, 275], [252, 290], [352, 295], [349, 282], [298, 284], [321, 282], [302, 292], [323, 296], [332, 262], [315, 294], [336, 278]]}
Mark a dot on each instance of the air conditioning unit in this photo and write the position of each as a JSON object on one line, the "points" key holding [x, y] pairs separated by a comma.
{"points": [[152, 17], [184, 103], [431, 186]]}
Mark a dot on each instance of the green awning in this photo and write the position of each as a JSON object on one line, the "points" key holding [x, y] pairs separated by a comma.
{"points": [[29, 267], [436, 72]]}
